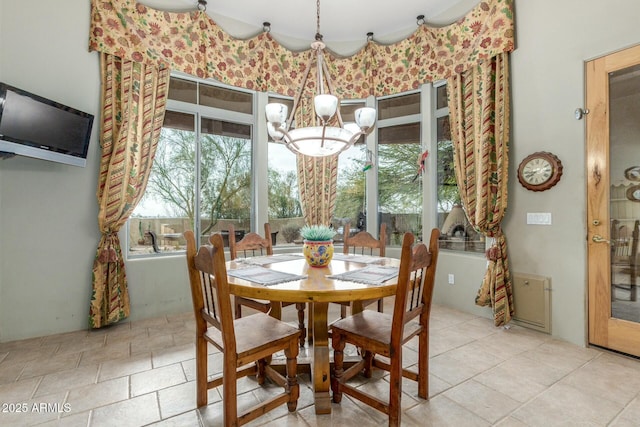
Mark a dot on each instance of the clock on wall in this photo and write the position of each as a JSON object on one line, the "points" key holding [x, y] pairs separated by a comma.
{"points": [[539, 171]]}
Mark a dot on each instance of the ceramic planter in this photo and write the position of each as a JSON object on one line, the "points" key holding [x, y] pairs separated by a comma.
{"points": [[318, 254]]}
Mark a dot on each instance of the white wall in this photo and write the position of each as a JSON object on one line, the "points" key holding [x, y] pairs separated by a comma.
{"points": [[554, 39], [48, 225], [48, 217]]}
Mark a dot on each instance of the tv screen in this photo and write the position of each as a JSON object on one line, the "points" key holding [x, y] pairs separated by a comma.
{"points": [[33, 126]]}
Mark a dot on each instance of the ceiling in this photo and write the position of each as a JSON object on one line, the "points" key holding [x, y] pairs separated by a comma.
{"points": [[340, 20]]}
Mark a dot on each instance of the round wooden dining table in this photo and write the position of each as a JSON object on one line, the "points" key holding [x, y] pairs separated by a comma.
{"points": [[319, 290]]}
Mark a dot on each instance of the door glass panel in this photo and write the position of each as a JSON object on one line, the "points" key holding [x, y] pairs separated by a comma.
{"points": [[624, 137]]}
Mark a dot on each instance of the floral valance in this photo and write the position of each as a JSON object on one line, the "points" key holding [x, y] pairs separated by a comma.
{"points": [[193, 43]]}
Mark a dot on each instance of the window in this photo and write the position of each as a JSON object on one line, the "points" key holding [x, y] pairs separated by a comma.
{"points": [[456, 232], [399, 146], [205, 144], [351, 185], [285, 211], [206, 174]]}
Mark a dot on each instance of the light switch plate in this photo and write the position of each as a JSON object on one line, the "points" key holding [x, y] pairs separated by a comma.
{"points": [[540, 218]]}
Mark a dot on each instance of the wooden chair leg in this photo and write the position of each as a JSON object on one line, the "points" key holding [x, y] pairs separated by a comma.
{"points": [[238, 310], [423, 364], [260, 370], [395, 392], [338, 344], [292, 380], [201, 372], [300, 306], [380, 306], [229, 392]]}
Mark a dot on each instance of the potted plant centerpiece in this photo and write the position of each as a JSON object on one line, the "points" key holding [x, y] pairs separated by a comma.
{"points": [[318, 244]]}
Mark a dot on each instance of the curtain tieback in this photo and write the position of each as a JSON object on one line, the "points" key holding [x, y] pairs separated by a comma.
{"points": [[108, 253]]}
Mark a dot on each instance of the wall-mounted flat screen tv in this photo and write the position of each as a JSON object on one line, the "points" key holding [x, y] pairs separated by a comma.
{"points": [[33, 126]]}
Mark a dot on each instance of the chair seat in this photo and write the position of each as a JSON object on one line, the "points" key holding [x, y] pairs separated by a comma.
{"points": [[374, 326], [254, 333]]}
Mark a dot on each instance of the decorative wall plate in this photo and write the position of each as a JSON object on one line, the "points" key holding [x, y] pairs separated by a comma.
{"points": [[632, 173], [633, 193]]}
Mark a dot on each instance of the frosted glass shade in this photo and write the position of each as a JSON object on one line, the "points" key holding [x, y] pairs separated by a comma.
{"points": [[276, 113], [365, 117], [273, 132], [310, 140], [326, 106]]}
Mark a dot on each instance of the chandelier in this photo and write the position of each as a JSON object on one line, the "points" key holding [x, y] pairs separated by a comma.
{"points": [[324, 140]]}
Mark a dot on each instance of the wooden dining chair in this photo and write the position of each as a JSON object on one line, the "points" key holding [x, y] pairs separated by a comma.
{"points": [[381, 334], [251, 245], [246, 344], [364, 243]]}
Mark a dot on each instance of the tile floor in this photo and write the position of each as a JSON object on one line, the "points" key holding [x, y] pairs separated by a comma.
{"points": [[142, 373]]}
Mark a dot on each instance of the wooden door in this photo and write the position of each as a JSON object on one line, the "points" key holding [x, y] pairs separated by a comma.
{"points": [[613, 199]]}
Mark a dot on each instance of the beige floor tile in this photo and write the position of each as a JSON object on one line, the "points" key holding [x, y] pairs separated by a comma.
{"points": [[510, 422], [18, 391], [157, 379], [523, 368], [155, 343], [105, 353], [446, 339], [75, 420], [154, 322], [100, 394], [77, 342], [342, 415], [630, 415], [124, 366], [214, 365], [28, 354], [175, 354], [462, 363], [137, 411], [177, 399], [26, 345], [441, 412], [125, 334], [10, 371], [608, 379], [52, 363], [563, 405], [188, 419], [68, 379], [511, 342], [482, 400], [507, 379], [562, 354]]}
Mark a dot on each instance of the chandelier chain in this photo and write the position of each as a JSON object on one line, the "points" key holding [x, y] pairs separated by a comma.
{"points": [[318, 35]]}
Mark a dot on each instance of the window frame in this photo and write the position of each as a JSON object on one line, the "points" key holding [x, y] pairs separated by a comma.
{"points": [[427, 119]]}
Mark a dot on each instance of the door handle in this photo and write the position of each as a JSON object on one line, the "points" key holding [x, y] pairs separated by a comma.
{"points": [[599, 239]]}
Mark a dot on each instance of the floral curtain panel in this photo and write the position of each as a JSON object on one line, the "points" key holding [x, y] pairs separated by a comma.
{"points": [[192, 43], [133, 105], [479, 112]]}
